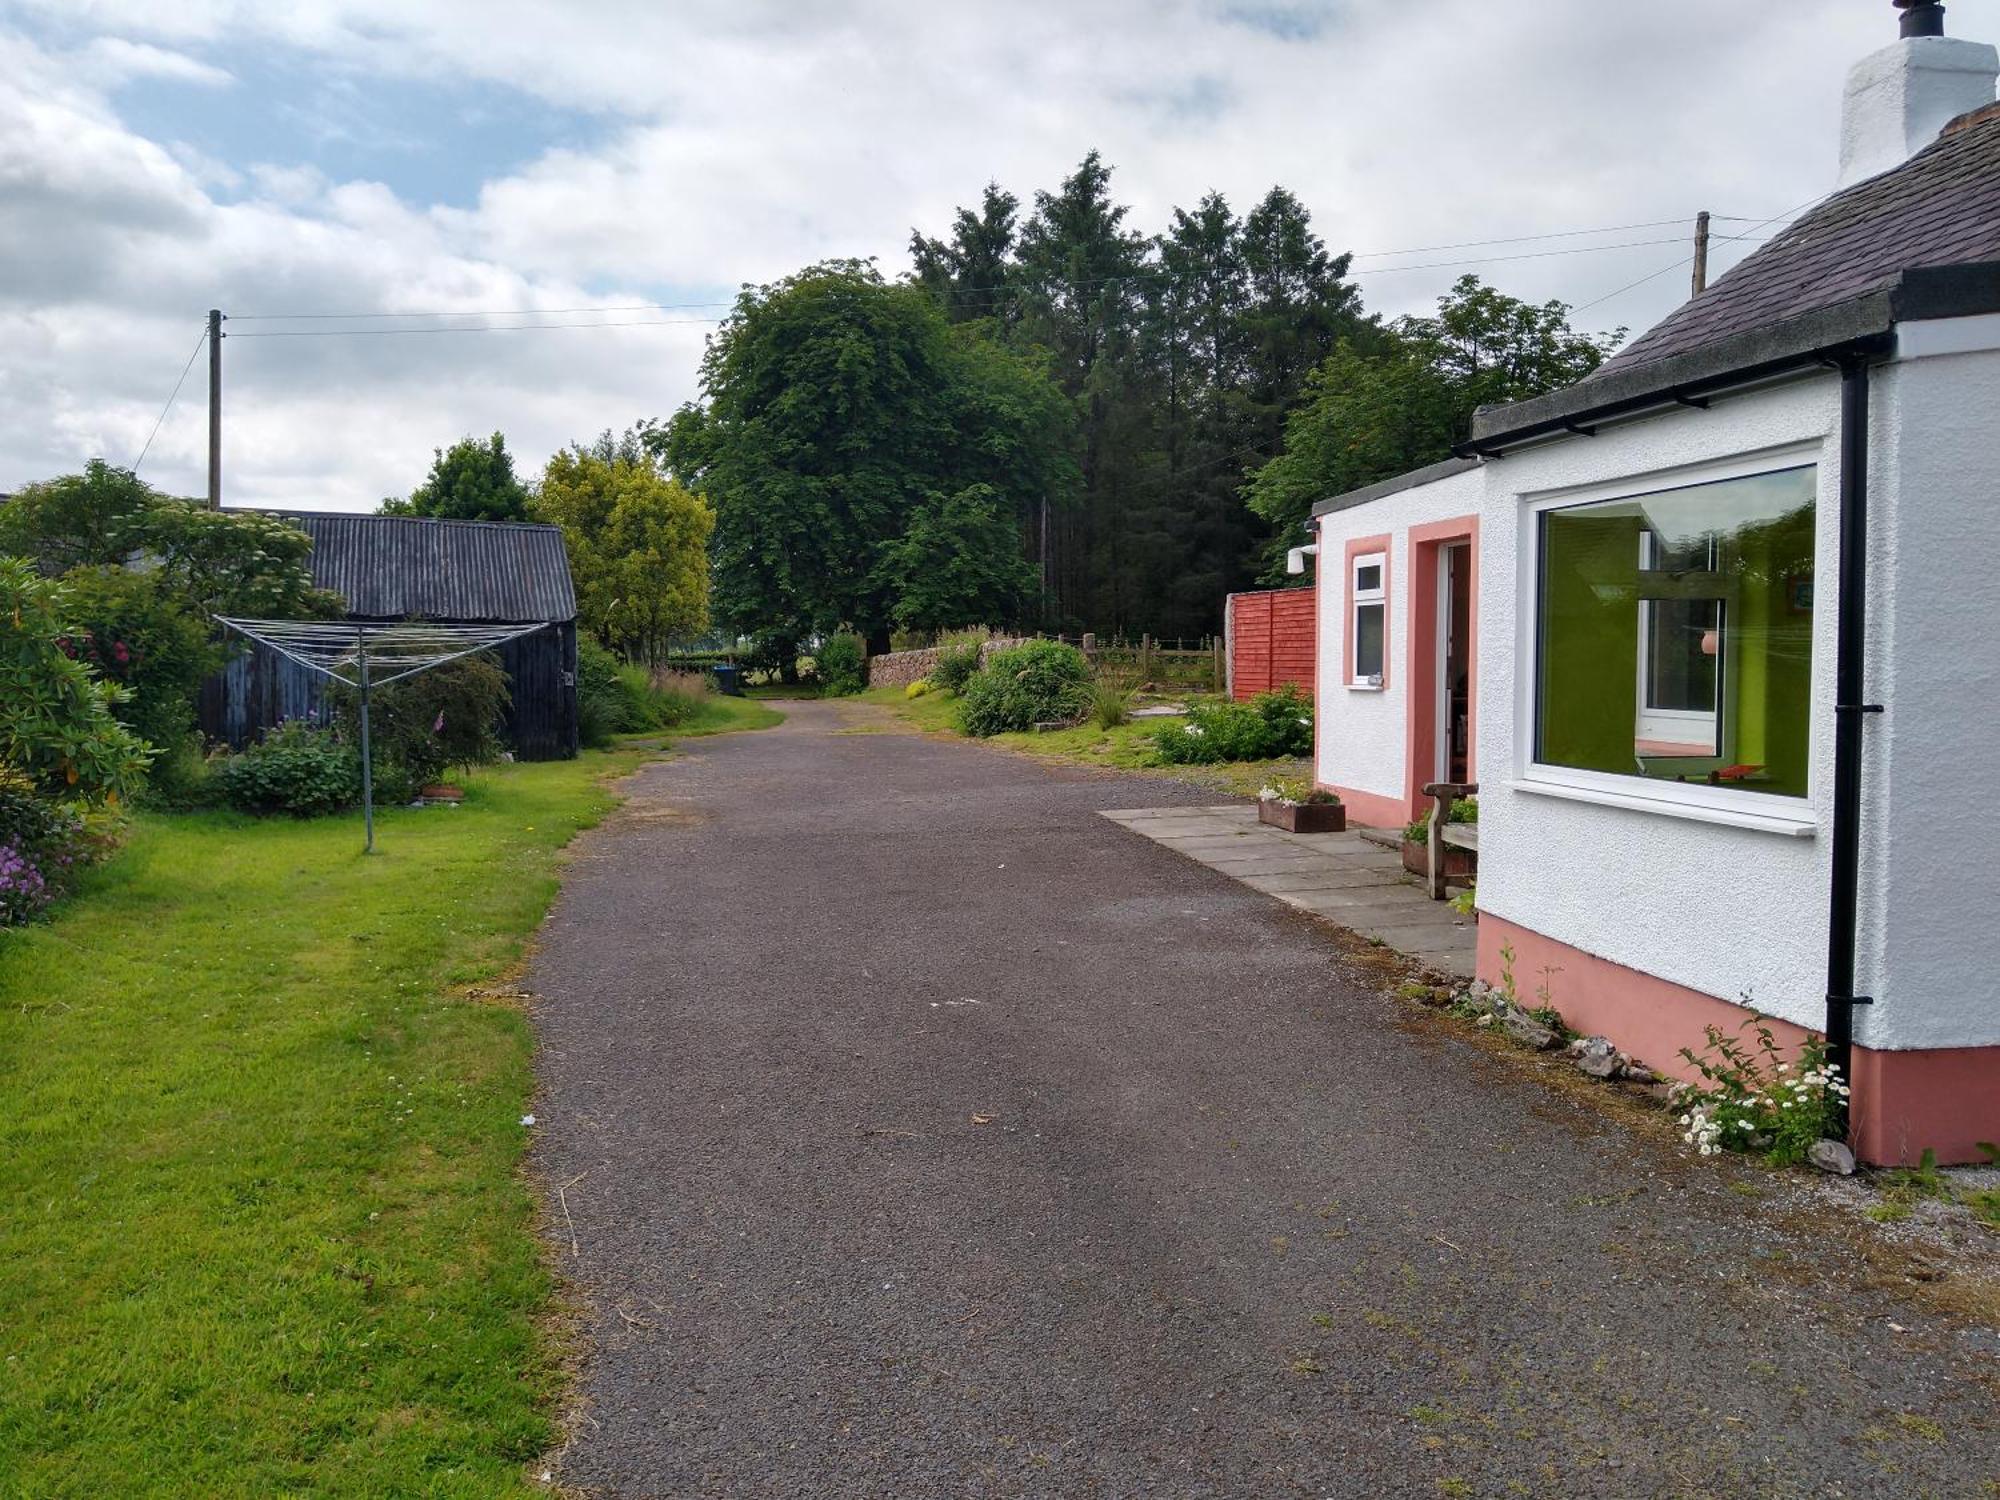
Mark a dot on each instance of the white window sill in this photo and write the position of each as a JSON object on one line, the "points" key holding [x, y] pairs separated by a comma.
{"points": [[1365, 687], [1786, 825]]}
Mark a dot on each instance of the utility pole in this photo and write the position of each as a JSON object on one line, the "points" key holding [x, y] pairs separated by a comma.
{"points": [[215, 408], [1700, 252]]}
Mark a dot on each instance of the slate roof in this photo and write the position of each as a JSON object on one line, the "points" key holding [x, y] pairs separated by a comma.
{"points": [[1919, 241], [468, 572], [1939, 208]]}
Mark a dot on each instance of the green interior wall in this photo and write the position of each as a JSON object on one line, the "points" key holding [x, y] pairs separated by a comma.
{"points": [[1590, 642], [1588, 709]]}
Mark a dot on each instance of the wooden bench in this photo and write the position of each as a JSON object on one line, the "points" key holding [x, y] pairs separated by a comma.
{"points": [[1444, 833]]}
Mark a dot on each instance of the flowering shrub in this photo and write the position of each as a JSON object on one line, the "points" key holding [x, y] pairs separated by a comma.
{"points": [[58, 722], [1268, 726], [1036, 682], [23, 892], [42, 843], [296, 768], [134, 633], [1756, 1099]]}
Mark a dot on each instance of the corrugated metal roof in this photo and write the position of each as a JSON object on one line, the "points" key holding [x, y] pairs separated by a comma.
{"points": [[387, 567]]}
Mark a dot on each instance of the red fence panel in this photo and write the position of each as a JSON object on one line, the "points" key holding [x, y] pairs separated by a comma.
{"points": [[1272, 638]]}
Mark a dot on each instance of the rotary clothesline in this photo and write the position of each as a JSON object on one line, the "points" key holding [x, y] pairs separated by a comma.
{"points": [[366, 656], [337, 648]]}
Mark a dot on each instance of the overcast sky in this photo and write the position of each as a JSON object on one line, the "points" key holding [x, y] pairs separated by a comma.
{"points": [[341, 156]]}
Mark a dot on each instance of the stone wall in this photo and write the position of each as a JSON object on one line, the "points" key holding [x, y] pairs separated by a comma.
{"points": [[900, 668]]}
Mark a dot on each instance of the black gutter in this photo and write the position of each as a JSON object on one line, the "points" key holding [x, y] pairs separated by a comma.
{"points": [[1692, 393], [1849, 713]]}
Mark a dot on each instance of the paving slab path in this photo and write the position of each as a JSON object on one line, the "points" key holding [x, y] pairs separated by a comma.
{"points": [[925, 1134]]}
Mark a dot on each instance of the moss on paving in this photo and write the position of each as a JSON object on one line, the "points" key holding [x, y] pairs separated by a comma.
{"points": [[263, 1223]]}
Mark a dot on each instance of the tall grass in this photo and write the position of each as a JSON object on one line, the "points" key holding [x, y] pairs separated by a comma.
{"points": [[1110, 703], [676, 696]]}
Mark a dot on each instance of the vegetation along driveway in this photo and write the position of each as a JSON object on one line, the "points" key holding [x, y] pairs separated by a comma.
{"points": [[922, 1133]]}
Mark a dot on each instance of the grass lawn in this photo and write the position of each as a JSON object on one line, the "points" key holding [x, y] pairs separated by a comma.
{"points": [[1128, 747], [720, 715], [263, 1228]]}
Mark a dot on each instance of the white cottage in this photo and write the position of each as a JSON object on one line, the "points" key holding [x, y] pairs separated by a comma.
{"points": [[1715, 632]]}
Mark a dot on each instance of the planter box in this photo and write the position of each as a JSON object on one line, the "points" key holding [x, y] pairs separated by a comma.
{"points": [[1302, 817], [1459, 864]]}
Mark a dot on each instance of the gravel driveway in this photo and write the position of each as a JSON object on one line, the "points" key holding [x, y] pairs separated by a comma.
{"points": [[928, 1135]]}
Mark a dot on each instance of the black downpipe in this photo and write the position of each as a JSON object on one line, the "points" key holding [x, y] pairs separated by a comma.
{"points": [[1848, 716]]}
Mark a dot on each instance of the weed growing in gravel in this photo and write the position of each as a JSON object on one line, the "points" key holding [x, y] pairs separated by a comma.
{"points": [[1756, 1099]]}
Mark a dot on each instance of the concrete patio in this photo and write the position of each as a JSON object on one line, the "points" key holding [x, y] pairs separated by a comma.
{"points": [[1339, 876]]}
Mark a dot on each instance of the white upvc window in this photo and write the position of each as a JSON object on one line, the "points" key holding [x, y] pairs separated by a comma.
{"points": [[1668, 628], [1369, 618]]}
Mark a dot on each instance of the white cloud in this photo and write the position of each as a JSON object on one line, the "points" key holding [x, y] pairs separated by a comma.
{"points": [[742, 140], [111, 60]]}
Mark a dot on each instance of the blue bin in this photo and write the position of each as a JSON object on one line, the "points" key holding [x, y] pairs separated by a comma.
{"points": [[728, 679]]}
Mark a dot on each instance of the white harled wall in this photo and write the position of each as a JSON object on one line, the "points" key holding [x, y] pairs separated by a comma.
{"points": [[1934, 625], [1363, 733], [1723, 910]]}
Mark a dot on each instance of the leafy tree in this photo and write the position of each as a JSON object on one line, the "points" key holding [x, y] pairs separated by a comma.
{"points": [[1182, 353], [240, 562], [1396, 402], [958, 560], [839, 410], [971, 275], [637, 543], [469, 481]]}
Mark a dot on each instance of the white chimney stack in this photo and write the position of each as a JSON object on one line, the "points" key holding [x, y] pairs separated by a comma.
{"points": [[1898, 99]]}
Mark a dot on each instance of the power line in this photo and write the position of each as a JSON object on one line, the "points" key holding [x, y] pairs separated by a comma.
{"points": [[1008, 294], [1149, 274], [1749, 233], [491, 312], [1522, 239], [489, 329], [170, 400]]}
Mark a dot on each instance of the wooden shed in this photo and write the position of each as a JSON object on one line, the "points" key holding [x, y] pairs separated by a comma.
{"points": [[391, 568]]}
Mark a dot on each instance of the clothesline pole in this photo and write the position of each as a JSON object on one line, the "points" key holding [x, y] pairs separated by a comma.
{"points": [[367, 760]]}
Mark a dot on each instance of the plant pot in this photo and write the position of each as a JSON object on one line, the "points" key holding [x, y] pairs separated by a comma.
{"points": [[1459, 864], [1303, 817]]}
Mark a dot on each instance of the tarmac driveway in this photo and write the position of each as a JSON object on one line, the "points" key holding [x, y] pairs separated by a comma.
{"points": [[925, 1134]]}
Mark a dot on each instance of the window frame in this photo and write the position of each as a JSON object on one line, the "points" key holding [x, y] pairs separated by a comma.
{"points": [[1359, 599], [1770, 812]]}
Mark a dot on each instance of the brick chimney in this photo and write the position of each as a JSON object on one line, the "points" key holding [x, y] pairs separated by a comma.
{"points": [[1900, 98]]}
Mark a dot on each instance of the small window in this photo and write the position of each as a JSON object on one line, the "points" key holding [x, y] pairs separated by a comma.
{"points": [[1370, 626]]}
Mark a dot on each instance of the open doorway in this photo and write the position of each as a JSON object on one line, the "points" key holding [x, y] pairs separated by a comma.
{"points": [[1454, 664]]}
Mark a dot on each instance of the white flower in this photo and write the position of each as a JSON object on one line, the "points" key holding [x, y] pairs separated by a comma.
{"points": [[527, 1119], [1305, 721], [1267, 794], [1193, 729]]}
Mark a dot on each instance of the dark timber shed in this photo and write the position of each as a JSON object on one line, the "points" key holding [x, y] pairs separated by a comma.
{"points": [[451, 572]]}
